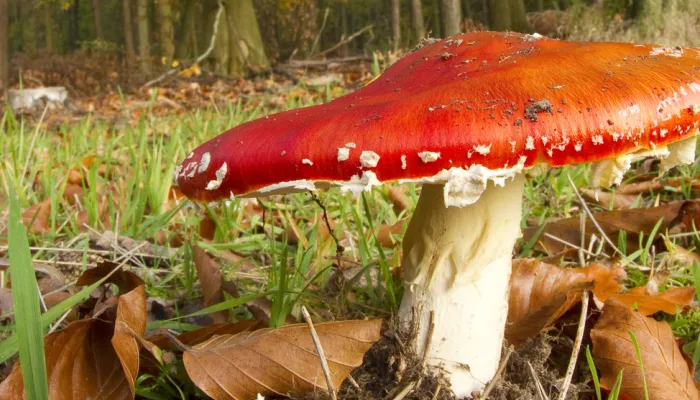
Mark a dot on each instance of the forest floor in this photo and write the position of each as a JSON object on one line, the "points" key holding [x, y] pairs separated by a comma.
{"points": [[94, 181]]}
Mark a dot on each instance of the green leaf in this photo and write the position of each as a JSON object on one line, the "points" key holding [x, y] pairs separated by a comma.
{"points": [[25, 296]]}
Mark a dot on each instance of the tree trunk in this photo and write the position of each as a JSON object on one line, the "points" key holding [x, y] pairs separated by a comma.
{"points": [[417, 19], [518, 19], [4, 46], [435, 19], [451, 17], [73, 25], [396, 23], [128, 30], [187, 42], [144, 46], [48, 26], [97, 15], [166, 29], [499, 15], [245, 46]]}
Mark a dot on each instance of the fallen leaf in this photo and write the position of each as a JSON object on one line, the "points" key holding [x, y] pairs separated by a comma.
{"points": [[668, 374], [94, 358], [36, 218], [540, 293], [278, 361], [204, 333], [389, 236], [618, 201], [81, 364], [670, 301], [633, 221], [209, 273], [398, 198]]}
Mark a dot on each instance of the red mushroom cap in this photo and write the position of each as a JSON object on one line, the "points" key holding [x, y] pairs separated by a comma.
{"points": [[482, 98]]}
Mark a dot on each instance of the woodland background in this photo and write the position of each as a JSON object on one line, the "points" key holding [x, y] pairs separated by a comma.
{"points": [[253, 36]]}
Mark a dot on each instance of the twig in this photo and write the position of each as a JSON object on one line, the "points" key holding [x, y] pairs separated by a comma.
{"points": [[541, 394], [199, 59], [346, 40], [437, 392], [338, 248], [319, 350], [577, 346], [320, 31], [499, 373], [353, 382], [590, 215], [406, 390]]}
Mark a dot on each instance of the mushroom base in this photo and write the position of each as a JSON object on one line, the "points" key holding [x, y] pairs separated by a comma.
{"points": [[457, 266]]}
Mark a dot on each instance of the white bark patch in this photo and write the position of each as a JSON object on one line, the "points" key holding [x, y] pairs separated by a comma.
{"points": [[343, 154], [403, 161], [307, 161], [369, 159], [350, 145], [482, 149], [529, 143], [204, 162], [428, 156]]}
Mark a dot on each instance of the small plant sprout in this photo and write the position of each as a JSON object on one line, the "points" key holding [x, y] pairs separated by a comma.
{"points": [[470, 154]]}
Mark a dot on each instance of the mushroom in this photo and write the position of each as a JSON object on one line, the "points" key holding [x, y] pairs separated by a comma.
{"points": [[466, 127]]}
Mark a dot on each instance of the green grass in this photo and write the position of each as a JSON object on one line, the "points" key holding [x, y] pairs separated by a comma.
{"points": [[26, 305], [126, 190]]}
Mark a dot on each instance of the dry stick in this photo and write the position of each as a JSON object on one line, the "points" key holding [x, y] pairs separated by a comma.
{"points": [[541, 394], [199, 59], [338, 248], [346, 40], [590, 215], [499, 374], [320, 31], [319, 350], [577, 346]]}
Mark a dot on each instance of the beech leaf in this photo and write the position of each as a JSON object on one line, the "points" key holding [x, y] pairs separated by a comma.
{"points": [[668, 374], [279, 360], [540, 293]]}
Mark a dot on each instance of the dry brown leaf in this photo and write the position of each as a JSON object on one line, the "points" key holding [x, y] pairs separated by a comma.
{"points": [[619, 201], [387, 235], [281, 360], [204, 333], [540, 293], [81, 364], [36, 218], [668, 374], [398, 198], [633, 221], [670, 301], [209, 273], [94, 358]]}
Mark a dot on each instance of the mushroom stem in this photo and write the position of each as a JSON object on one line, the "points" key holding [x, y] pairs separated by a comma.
{"points": [[457, 265]]}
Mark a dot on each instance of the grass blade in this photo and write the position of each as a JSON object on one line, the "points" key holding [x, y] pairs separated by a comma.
{"points": [[30, 333]]}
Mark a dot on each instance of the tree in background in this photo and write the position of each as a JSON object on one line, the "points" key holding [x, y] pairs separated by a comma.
{"points": [[97, 15], [128, 30], [417, 20], [396, 23], [4, 46], [507, 15], [451, 13], [144, 40], [166, 29]]}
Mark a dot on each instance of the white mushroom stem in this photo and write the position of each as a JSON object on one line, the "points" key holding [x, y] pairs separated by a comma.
{"points": [[457, 265]]}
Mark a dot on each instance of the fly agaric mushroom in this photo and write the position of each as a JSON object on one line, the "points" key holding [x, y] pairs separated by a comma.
{"points": [[464, 117]]}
